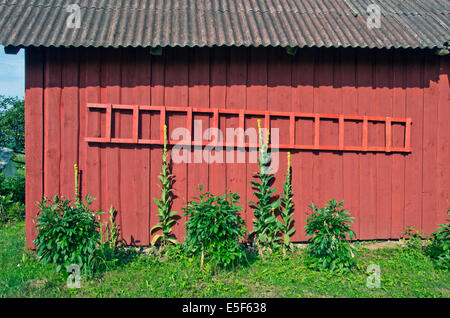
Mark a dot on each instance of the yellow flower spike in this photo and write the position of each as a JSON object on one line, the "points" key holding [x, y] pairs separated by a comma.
{"points": [[289, 158], [75, 168], [165, 137]]}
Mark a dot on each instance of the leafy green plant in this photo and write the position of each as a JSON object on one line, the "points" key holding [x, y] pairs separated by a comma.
{"points": [[330, 231], [68, 233], [413, 239], [166, 216], [438, 248], [109, 231], [265, 226], [286, 224], [215, 229]]}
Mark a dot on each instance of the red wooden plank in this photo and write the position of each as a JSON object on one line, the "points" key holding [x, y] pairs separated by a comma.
{"points": [[52, 129], [142, 177], [279, 98], [398, 160], [383, 95], [352, 136], [34, 136], [236, 99], [368, 204], [443, 140], [329, 164], [128, 164], [217, 170], [430, 203], [199, 65], [256, 100], [413, 164], [157, 122], [176, 93], [111, 191], [69, 126], [90, 125]]}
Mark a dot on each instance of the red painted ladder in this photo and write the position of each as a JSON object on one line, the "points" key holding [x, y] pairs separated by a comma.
{"points": [[241, 113]]}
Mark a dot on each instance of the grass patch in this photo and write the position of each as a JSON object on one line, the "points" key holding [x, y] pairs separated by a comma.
{"points": [[404, 273]]}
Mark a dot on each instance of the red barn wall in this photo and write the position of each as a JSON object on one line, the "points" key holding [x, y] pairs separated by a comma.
{"points": [[384, 191]]}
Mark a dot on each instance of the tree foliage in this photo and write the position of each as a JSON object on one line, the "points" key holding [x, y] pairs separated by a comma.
{"points": [[12, 123]]}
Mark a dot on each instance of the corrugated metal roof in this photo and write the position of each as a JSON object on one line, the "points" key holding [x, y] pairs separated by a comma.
{"points": [[150, 23]]}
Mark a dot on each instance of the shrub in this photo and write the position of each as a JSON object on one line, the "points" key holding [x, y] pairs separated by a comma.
{"points": [[265, 226], [12, 198], [330, 228], [67, 233], [14, 185], [439, 245], [166, 217], [215, 228]]}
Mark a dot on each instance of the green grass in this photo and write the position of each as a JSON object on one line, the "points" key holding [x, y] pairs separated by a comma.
{"points": [[403, 274]]}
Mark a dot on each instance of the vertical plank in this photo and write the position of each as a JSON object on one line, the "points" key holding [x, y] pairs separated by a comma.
{"points": [[157, 99], [383, 95], [236, 99], [199, 65], [430, 201], [256, 100], [413, 164], [217, 95], [302, 161], [127, 152], [142, 155], [279, 98], [398, 159], [34, 137], [329, 164], [69, 118], [110, 162], [352, 136], [176, 94], [52, 128], [90, 125], [443, 140], [368, 203]]}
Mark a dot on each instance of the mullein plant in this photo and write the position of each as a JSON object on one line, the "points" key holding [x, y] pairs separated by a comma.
{"points": [[265, 222], [287, 213], [166, 217]]}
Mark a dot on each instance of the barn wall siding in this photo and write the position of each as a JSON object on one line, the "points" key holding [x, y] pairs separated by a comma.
{"points": [[385, 191]]}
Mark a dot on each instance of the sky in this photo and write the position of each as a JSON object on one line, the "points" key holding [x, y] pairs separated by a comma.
{"points": [[12, 73]]}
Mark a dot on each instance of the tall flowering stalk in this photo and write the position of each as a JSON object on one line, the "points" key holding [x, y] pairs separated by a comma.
{"points": [[166, 217], [265, 222], [287, 214], [75, 172]]}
